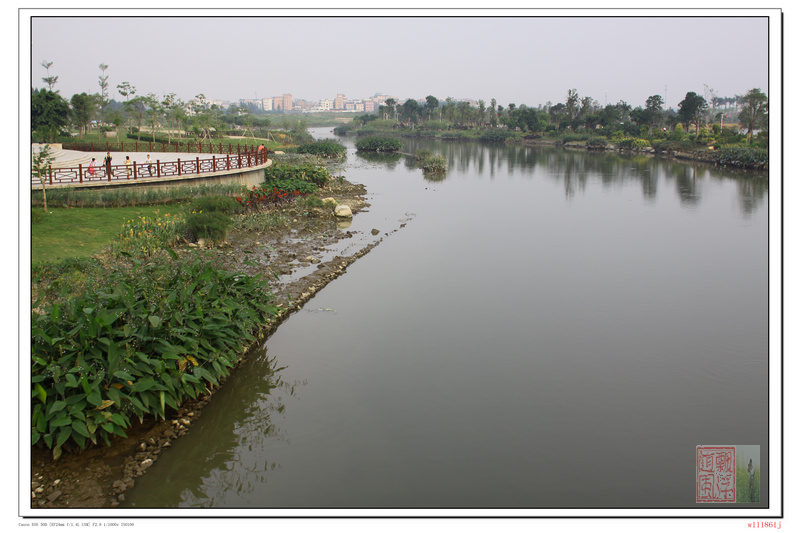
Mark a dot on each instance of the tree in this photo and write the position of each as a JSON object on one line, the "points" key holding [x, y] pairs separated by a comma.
{"points": [[431, 105], [390, 103], [691, 110], [102, 81], [83, 107], [40, 164], [49, 114], [410, 110], [49, 80], [126, 89], [153, 111], [572, 104], [653, 112], [754, 112]]}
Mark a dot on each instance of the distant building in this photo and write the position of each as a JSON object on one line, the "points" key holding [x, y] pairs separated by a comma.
{"points": [[340, 102]]}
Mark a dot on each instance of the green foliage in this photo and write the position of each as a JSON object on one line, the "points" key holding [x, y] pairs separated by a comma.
{"points": [[434, 125], [143, 339], [495, 136], [212, 225], [134, 196], [324, 148], [218, 203], [630, 143], [49, 115], [209, 217], [596, 143], [743, 157], [743, 485], [670, 145], [379, 144], [259, 221], [272, 193], [430, 162], [314, 174], [148, 235]]}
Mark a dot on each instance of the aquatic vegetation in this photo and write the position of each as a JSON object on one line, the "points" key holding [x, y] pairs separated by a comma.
{"points": [[146, 337]]}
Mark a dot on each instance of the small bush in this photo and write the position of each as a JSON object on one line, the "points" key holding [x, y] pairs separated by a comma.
{"points": [[212, 225], [309, 173], [324, 148], [495, 136], [216, 203], [146, 236], [430, 162], [379, 144]]}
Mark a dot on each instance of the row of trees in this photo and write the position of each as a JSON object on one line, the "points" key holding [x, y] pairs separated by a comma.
{"points": [[52, 114], [584, 113]]}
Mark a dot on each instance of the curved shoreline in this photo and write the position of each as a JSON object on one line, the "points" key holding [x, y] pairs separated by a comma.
{"points": [[98, 477]]}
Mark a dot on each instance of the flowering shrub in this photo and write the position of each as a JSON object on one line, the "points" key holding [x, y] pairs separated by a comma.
{"points": [[264, 197], [147, 235]]}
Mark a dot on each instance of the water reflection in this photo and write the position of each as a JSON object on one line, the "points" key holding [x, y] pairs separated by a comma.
{"points": [[390, 160], [238, 426], [576, 168]]}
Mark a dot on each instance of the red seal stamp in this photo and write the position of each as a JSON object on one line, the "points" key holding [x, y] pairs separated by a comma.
{"points": [[716, 474]]}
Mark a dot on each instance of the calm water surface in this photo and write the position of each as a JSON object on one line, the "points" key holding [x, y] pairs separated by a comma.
{"points": [[548, 329]]}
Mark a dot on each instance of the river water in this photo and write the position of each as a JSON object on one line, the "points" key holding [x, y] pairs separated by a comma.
{"points": [[538, 329]]}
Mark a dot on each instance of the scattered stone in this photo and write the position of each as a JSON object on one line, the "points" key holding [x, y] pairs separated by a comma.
{"points": [[343, 211], [375, 231]]}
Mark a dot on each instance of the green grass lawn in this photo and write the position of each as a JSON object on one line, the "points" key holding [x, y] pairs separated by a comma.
{"points": [[81, 232]]}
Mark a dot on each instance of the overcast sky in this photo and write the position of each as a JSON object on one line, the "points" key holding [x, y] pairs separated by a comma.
{"points": [[523, 60]]}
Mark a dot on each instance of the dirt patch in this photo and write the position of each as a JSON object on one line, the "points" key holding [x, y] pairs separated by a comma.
{"points": [[310, 250]]}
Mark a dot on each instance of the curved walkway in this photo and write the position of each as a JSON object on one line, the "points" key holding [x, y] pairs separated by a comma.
{"points": [[70, 167]]}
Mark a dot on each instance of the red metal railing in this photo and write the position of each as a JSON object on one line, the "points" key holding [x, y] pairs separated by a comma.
{"points": [[156, 169]]}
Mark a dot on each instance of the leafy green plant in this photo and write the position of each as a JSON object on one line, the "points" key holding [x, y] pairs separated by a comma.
{"points": [[379, 144], [324, 148], [430, 162], [743, 157], [148, 235], [212, 225], [216, 203], [310, 173], [258, 221], [149, 336]]}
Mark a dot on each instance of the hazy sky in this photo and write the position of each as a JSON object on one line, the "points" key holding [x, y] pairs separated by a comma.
{"points": [[523, 60]]}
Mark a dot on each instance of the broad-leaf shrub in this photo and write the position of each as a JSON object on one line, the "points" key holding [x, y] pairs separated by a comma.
{"points": [[330, 149], [306, 172], [146, 339], [379, 144]]}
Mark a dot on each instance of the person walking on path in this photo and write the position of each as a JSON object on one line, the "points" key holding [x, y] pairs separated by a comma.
{"points": [[128, 166], [107, 163], [149, 164], [91, 168]]}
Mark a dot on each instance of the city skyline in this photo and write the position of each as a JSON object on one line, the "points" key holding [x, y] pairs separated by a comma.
{"points": [[528, 60]]}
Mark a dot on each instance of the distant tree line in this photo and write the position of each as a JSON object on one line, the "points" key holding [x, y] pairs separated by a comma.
{"points": [[580, 114], [52, 115]]}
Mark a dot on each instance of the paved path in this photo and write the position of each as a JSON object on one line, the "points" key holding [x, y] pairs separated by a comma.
{"points": [[73, 158]]}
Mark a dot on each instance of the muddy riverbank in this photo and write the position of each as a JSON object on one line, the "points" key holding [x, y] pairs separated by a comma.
{"points": [[312, 249]]}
